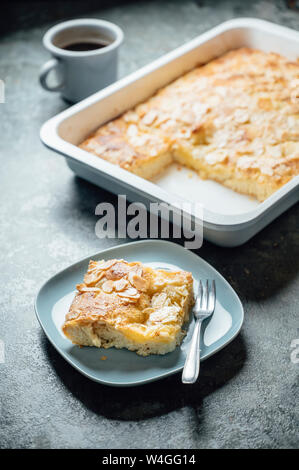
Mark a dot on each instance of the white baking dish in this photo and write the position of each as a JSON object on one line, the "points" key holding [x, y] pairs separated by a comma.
{"points": [[229, 219]]}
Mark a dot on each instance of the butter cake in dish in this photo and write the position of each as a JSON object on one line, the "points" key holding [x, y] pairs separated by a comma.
{"points": [[129, 305], [234, 120]]}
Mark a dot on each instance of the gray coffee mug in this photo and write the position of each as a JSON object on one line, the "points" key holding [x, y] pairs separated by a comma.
{"points": [[81, 73]]}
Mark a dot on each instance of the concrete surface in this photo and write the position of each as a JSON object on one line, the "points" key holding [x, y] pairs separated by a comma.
{"points": [[247, 395]]}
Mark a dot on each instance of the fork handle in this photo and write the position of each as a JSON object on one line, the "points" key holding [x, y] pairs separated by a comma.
{"points": [[192, 364]]}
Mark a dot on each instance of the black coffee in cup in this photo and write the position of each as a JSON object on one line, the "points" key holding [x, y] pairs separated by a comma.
{"points": [[82, 46]]}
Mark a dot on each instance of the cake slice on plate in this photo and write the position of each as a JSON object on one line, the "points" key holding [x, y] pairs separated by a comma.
{"points": [[129, 305]]}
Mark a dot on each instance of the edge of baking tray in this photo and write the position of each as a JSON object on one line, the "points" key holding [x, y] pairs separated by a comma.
{"points": [[146, 189]]}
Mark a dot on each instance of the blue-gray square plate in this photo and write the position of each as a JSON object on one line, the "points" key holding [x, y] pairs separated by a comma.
{"points": [[122, 367]]}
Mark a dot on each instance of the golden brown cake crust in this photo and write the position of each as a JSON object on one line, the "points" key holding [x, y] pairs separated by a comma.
{"points": [[130, 305], [234, 120], [126, 145]]}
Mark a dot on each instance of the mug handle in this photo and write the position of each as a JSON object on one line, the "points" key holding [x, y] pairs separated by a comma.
{"points": [[44, 71]]}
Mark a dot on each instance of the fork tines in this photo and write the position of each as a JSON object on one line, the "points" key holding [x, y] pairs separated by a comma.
{"points": [[207, 295]]}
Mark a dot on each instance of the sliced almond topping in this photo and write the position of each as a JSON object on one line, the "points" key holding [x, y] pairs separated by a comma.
{"points": [[149, 310], [137, 269], [140, 140], [93, 277], [138, 282], [246, 162], [84, 288], [120, 285], [117, 271], [131, 293], [149, 118], [217, 156], [159, 300], [97, 270], [131, 116], [133, 271], [132, 130], [107, 287], [266, 170], [241, 116], [274, 151], [164, 315], [130, 276], [106, 264]]}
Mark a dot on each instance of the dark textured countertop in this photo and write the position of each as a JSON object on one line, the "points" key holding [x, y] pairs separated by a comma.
{"points": [[247, 395]]}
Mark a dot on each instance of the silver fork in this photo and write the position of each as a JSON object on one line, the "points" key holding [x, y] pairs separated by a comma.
{"points": [[204, 307]]}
